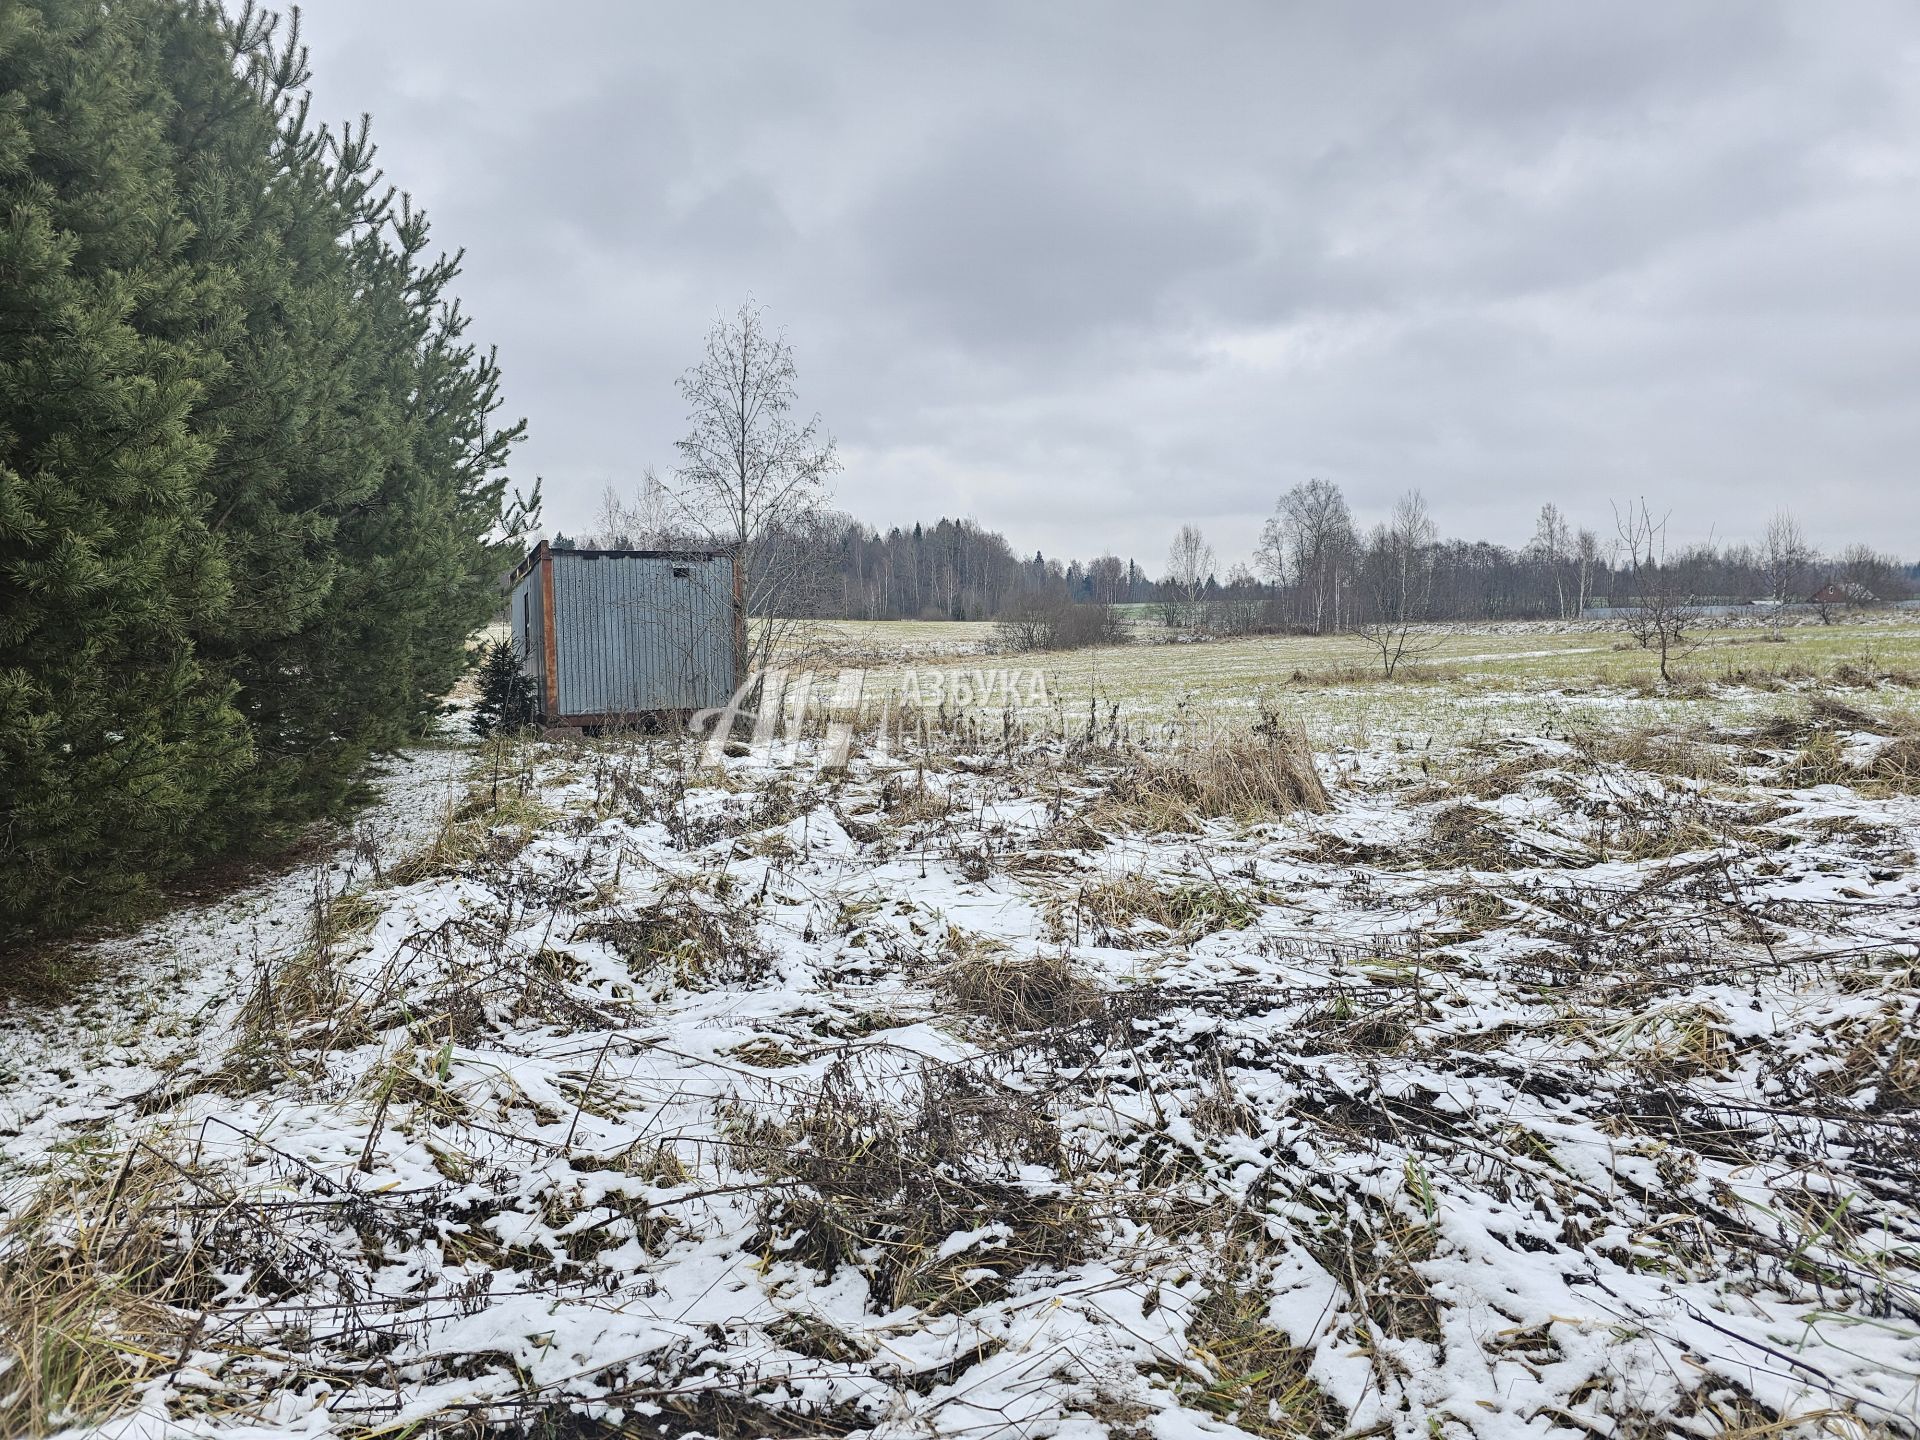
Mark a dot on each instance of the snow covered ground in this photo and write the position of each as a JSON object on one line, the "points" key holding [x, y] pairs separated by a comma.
{"points": [[1540, 1086], [167, 994]]}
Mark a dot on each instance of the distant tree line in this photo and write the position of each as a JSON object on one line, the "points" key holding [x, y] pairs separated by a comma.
{"points": [[1314, 570], [835, 567], [251, 491], [1323, 573]]}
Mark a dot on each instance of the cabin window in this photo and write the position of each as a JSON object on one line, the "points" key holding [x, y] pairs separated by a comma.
{"points": [[682, 572]]}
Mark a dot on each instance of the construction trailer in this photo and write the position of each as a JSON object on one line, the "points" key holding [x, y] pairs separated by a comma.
{"points": [[611, 637]]}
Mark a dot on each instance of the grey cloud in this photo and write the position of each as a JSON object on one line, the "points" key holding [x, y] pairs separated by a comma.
{"points": [[1086, 271], [1546, 66], [1009, 235], [739, 217]]}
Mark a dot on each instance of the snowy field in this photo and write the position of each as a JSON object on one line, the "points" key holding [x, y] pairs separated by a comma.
{"points": [[1523, 1079], [1484, 680]]}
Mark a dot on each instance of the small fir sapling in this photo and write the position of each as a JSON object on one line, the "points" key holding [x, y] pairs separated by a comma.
{"points": [[506, 695]]}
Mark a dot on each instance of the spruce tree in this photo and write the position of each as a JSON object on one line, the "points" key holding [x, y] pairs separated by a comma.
{"points": [[506, 695]]}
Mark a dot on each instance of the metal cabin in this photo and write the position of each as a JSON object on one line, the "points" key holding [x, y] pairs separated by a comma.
{"points": [[610, 636]]}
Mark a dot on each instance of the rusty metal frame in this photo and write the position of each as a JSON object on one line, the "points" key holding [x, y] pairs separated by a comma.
{"points": [[739, 619], [549, 644]]}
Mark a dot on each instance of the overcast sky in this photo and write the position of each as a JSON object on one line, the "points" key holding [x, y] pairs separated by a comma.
{"points": [[1086, 272]]}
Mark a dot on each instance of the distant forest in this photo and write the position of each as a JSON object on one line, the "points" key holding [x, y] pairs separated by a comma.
{"points": [[1313, 571]]}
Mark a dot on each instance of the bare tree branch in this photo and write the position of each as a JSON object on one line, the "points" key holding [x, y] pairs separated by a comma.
{"points": [[750, 474]]}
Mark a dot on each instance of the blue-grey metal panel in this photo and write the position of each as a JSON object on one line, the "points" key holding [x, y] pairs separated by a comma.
{"points": [[636, 633], [524, 607], [517, 608]]}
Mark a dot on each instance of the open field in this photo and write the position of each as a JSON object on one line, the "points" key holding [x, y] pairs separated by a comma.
{"points": [[1528, 675], [1427, 1078]]}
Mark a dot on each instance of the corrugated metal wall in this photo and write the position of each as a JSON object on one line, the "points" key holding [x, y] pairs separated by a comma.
{"points": [[524, 612], [636, 633]]}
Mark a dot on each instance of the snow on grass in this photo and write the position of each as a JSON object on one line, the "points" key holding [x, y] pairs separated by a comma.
{"points": [[1566, 671], [1534, 1086], [166, 993]]}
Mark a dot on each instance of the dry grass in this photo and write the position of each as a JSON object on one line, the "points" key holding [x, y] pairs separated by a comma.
{"points": [[492, 825], [1254, 776], [907, 799], [857, 1181], [1112, 909], [1377, 1256], [1892, 767], [1897, 765], [313, 1004], [96, 1295], [1252, 1109], [301, 1005], [1669, 1042], [1036, 993], [1880, 1051], [1255, 1376], [1502, 777], [1648, 751], [1466, 837], [694, 935]]}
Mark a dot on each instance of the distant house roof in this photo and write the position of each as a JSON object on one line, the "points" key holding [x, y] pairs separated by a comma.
{"points": [[1841, 592]]}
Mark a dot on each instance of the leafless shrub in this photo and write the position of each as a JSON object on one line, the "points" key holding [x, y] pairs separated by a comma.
{"points": [[1396, 571], [1660, 613], [1050, 622]]}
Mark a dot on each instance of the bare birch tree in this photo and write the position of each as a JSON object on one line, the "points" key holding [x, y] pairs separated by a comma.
{"points": [[640, 521], [1552, 546], [1309, 540], [751, 473], [1397, 572], [1189, 564], [1107, 579], [1586, 549], [1785, 558]]}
